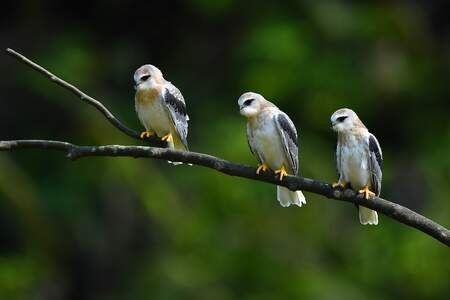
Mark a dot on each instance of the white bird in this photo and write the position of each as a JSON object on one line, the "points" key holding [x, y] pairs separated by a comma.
{"points": [[358, 158], [272, 138], [160, 108]]}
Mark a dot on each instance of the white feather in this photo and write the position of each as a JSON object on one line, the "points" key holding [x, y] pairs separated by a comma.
{"points": [[367, 216], [154, 116], [354, 155], [287, 197]]}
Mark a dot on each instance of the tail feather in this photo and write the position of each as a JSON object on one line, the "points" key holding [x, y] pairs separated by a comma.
{"points": [[177, 144], [367, 216], [287, 197]]}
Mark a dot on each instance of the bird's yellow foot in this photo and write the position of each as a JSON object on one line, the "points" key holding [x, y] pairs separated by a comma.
{"points": [[341, 184], [281, 172], [146, 134], [167, 138], [262, 167], [367, 193]]}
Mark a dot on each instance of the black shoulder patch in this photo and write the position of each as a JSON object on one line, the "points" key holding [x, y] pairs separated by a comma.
{"points": [[178, 106], [287, 127], [374, 148]]}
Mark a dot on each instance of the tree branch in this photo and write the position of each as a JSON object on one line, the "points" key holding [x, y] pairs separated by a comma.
{"points": [[390, 209], [393, 210], [84, 97]]}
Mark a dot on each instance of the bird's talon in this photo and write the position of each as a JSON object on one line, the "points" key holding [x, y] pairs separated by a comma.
{"points": [[167, 138], [281, 172], [262, 167], [367, 193], [341, 184], [146, 134]]}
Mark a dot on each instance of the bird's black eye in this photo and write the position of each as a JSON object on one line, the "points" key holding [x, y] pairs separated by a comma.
{"points": [[145, 77], [248, 102], [341, 119]]}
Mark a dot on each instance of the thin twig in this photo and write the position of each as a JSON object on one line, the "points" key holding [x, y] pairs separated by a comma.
{"points": [[84, 97], [393, 210]]}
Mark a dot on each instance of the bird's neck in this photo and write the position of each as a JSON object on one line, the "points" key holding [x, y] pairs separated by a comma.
{"points": [[255, 120], [149, 95], [251, 121], [351, 134]]}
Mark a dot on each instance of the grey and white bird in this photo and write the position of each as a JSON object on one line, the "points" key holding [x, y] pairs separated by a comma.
{"points": [[160, 108], [358, 159], [272, 138]]}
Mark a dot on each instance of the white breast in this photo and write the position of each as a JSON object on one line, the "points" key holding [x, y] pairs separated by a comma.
{"points": [[153, 115], [354, 161], [267, 143]]}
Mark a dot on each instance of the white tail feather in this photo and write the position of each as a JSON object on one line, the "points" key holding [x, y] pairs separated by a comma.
{"points": [[367, 216], [177, 145], [287, 197]]}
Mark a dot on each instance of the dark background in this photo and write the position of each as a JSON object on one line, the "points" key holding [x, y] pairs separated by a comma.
{"points": [[118, 228]]}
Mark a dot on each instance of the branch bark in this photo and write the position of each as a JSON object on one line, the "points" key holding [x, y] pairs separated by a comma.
{"points": [[390, 209], [393, 210]]}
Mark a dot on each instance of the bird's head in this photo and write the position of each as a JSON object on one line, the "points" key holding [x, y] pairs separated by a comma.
{"points": [[250, 104], [345, 119], [147, 77]]}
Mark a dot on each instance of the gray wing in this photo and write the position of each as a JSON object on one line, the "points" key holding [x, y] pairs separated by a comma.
{"points": [[288, 134], [176, 106], [375, 163]]}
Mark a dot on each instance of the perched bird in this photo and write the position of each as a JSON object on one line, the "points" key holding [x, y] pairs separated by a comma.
{"points": [[272, 138], [358, 158], [160, 107]]}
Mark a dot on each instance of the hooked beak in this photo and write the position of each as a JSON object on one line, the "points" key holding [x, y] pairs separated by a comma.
{"points": [[333, 124]]}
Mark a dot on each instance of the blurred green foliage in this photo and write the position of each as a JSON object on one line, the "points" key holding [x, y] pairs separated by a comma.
{"points": [[116, 228]]}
